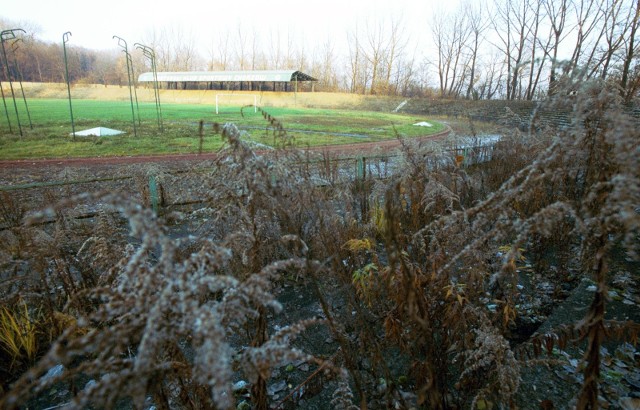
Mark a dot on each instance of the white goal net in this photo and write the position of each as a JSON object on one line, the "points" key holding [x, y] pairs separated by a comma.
{"points": [[235, 100]]}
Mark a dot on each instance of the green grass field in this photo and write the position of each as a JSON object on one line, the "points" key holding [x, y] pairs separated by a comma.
{"points": [[51, 137]]}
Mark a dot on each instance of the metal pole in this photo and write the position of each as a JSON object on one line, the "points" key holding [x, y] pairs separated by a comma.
{"points": [[151, 55], [4, 102], [157, 87], [135, 91], [24, 97], [65, 40], [123, 44], [9, 35]]}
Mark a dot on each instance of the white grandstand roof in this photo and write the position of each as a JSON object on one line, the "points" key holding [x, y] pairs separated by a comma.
{"points": [[228, 76]]}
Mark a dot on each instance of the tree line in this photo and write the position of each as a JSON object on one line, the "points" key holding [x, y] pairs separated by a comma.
{"points": [[494, 49]]}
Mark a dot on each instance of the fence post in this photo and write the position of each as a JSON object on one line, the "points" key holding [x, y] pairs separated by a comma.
{"points": [[153, 193], [360, 172]]}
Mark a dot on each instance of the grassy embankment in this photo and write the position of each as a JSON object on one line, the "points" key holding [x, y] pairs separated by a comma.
{"points": [[312, 119]]}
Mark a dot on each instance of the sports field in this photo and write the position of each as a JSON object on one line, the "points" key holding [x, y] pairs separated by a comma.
{"points": [[51, 137]]}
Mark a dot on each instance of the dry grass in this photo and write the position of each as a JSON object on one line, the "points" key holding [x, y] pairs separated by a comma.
{"points": [[18, 333], [267, 99], [417, 275]]}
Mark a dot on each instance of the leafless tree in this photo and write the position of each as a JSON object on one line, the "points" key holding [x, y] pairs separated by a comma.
{"points": [[586, 14], [630, 87], [405, 73], [275, 53], [376, 59], [175, 48], [493, 83], [323, 66], [104, 71], [478, 22], [556, 12], [290, 50], [615, 22], [220, 52], [356, 63], [375, 52], [536, 63], [394, 56], [255, 49], [301, 54], [241, 47], [513, 26], [451, 34]]}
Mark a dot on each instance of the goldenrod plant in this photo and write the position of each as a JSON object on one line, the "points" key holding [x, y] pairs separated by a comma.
{"points": [[18, 333]]}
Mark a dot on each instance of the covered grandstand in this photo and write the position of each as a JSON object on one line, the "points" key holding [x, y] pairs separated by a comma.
{"points": [[261, 80]]}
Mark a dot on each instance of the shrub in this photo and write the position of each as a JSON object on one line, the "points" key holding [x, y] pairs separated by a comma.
{"points": [[417, 275]]}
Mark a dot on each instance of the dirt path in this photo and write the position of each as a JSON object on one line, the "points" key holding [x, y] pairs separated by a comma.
{"points": [[361, 148]]}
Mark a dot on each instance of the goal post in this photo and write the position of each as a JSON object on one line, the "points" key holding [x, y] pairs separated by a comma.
{"points": [[246, 97]]}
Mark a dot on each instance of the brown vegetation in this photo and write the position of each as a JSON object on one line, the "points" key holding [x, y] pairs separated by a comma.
{"points": [[417, 277]]}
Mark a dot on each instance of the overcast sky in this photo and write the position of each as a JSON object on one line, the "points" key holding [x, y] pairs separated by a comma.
{"points": [[93, 24]]}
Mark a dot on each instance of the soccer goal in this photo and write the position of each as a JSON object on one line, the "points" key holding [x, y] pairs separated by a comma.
{"points": [[243, 99]]}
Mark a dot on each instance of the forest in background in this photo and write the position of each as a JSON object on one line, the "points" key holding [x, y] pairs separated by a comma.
{"points": [[498, 49]]}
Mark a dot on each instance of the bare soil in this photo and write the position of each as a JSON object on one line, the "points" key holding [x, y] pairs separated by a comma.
{"points": [[355, 149]]}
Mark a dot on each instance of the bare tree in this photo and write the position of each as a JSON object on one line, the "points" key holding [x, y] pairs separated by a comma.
{"points": [[587, 15], [616, 21], [536, 64], [405, 73], [375, 52], [629, 88], [492, 85], [450, 33], [356, 63], [394, 55], [513, 26], [323, 66], [241, 47], [105, 70], [376, 59], [255, 47], [220, 52], [477, 24], [290, 50], [175, 48], [556, 12], [275, 53]]}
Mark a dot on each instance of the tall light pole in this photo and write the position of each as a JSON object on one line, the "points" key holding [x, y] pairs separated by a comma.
{"points": [[151, 55], [65, 40], [123, 44], [4, 36], [17, 66], [4, 102]]}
